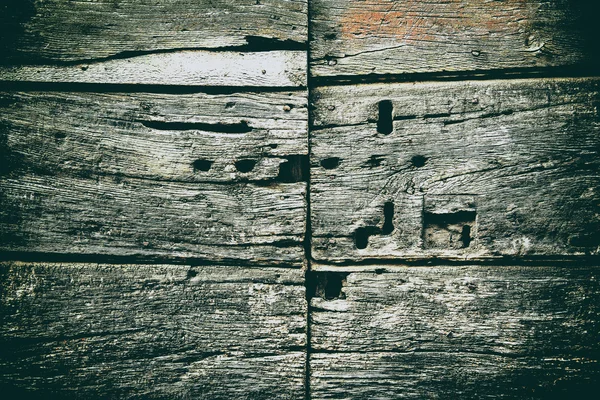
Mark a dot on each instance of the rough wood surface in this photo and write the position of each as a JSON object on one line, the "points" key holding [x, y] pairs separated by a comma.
{"points": [[39, 32], [205, 176], [356, 37], [437, 332], [184, 137], [189, 68], [457, 170], [151, 331]]}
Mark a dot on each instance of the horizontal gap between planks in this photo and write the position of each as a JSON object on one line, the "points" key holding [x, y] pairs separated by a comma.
{"points": [[445, 76], [25, 86], [389, 265], [39, 257]]}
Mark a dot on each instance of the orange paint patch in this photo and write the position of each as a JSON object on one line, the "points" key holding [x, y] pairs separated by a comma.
{"points": [[418, 20]]}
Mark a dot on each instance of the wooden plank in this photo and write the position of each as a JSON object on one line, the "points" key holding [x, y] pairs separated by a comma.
{"points": [[119, 174], [435, 332], [194, 137], [458, 170], [356, 37], [54, 30], [190, 68], [152, 331]]}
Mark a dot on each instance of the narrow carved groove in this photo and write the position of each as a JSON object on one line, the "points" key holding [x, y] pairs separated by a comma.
{"points": [[241, 127]]}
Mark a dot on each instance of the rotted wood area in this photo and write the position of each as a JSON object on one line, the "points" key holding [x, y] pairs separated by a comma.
{"points": [[151, 331], [470, 331]]}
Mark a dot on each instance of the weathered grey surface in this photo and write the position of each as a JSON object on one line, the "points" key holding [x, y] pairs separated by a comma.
{"points": [[209, 176], [151, 331], [153, 136], [468, 170], [440, 332], [111, 215], [355, 37], [190, 68], [50, 31]]}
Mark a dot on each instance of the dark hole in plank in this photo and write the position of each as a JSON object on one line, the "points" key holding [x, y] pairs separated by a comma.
{"points": [[240, 127], [245, 165], [295, 169], [465, 236], [388, 215], [385, 123], [418, 161], [361, 237], [330, 163], [327, 285], [202, 165]]}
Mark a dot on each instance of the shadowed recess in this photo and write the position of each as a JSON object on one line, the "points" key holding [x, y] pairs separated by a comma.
{"points": [[241, 127]]}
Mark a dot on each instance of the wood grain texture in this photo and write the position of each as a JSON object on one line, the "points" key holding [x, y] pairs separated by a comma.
{"points": [[43, 32], [188, 68], [435, 332], [185, 137], [356, 37], [151, 331], [458, 170], [218, 177]]}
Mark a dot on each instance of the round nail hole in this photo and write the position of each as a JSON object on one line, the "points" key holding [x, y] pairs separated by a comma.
{"points": [[330, 163], [202, 165], [245, 165], [418, 161]]}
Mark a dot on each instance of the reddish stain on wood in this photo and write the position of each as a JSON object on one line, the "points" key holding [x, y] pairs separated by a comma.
{"points": [[417, 20]]}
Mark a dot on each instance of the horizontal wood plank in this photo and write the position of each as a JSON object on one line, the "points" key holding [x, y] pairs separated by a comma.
{"points": [[152, 331], [386, 376], [134, 217], [355, 37], [434, 332], [206, 176], [38, 32], [458, 170], [187, 68], [195, 137]]}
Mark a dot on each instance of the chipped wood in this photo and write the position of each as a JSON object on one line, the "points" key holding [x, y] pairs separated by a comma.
{"points": [[468, 170], [130, 331]]}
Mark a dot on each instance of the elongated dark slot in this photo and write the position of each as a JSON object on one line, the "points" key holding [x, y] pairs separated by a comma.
{"points": [[240, 127], [385, 123], [388, 214]]}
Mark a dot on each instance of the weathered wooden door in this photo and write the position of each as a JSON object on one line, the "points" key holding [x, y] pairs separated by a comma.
{"points": [[299, 199]]}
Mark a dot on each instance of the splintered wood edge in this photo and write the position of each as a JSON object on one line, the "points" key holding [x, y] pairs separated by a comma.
{"points": [[280, 68]]}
